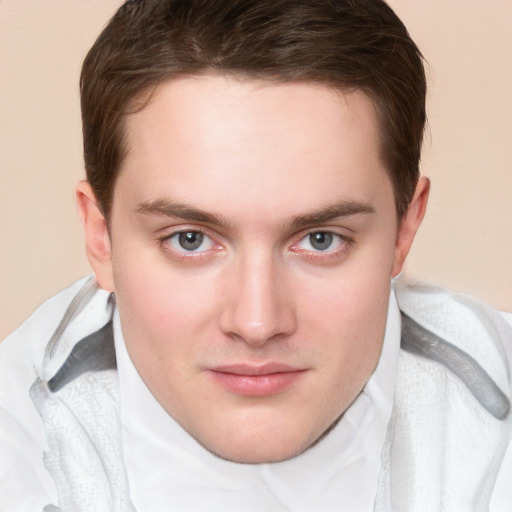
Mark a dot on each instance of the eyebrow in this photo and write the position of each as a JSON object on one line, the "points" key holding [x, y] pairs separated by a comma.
{"points": [[167, 208], [331, 212]]}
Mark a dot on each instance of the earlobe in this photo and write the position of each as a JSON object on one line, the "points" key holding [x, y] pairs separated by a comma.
{"points": [[410, 223], [96, 235]]}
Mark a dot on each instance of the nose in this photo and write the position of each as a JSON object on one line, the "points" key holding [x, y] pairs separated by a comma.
{"points": [[258, 306]]}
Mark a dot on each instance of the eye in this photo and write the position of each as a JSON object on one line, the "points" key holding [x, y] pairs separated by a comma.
{"points": [[190, 241], [320, 241]]}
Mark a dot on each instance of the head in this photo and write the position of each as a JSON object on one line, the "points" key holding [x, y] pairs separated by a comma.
{"points": [[252, 188]]}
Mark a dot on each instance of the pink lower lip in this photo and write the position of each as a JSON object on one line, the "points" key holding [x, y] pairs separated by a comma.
{"points": [[258, 383]]}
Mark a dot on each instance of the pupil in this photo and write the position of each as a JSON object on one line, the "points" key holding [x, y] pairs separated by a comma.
{"points": [[190, 240], [320, 241]]}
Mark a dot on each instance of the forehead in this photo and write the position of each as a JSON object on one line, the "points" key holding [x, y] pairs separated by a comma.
{"points": [[221, 142]]}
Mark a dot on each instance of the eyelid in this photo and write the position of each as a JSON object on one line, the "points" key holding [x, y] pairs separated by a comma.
{"points": [[327, 256], [176, 253], [336, 240], [175, 239], [335, 232]]}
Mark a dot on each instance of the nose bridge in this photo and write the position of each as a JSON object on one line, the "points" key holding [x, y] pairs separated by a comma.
{"points": [[259, 307]]}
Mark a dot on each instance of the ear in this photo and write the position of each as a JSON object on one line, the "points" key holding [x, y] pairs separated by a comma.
{"points": [[97, 237], [410, 223]]}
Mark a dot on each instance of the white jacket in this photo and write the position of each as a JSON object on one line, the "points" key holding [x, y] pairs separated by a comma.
{"points": [[445, 444]]}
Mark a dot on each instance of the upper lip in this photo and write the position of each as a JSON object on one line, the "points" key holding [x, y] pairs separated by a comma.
{"points": [[255, 369]]}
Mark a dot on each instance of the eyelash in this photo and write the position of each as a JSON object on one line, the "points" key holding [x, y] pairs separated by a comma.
{"points": [[184, 255], [329, 255]]}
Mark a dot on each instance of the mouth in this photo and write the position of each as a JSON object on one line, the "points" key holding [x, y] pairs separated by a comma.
{"points": [[256, 380]]}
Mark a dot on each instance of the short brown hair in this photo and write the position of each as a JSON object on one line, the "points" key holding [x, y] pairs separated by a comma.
{"points": [[349, 44]]}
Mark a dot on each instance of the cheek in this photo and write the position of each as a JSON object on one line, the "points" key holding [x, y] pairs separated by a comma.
{"points": [[350, 296], [146, 280], [346, 315], [159, 305]]}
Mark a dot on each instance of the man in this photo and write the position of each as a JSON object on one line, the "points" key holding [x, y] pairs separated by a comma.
{"points": [[253, 189]]}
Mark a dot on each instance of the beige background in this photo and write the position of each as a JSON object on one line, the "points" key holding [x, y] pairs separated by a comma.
{"points": [[465, 242]]}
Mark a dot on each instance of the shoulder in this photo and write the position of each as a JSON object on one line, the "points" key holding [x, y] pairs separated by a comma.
{"points": [[469, 325], [22, 438], [22, 352], [25, 346], [454, 392]]}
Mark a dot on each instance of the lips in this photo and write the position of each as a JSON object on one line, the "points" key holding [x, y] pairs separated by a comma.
{"points": [[256, 380]]}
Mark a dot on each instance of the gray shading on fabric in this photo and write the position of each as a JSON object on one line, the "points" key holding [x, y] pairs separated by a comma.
{"points": [[77, 305], [93, 353], [424, 343]]}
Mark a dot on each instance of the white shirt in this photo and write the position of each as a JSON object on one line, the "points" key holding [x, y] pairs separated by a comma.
{"points": [[169, 470]]}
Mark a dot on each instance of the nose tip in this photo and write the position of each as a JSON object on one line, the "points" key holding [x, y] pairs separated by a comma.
{"points": [[258, 308], [257, 333]]}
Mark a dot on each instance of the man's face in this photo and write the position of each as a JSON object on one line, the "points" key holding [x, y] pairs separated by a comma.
{"points": [[253, 237]]}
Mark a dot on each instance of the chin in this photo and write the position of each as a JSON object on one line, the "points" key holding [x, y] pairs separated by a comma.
{"points": [[259, 449], [258, 455]]}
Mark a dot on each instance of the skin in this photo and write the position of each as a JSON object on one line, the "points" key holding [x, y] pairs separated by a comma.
{"points": [[257, 168]]}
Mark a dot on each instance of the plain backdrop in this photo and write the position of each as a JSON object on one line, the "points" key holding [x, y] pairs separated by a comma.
{"points": [[465, 242]]}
